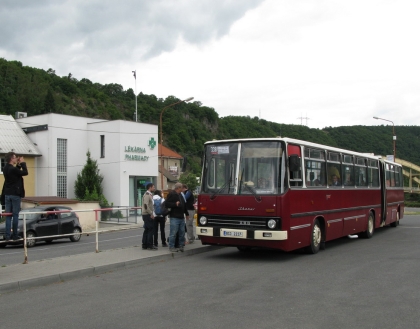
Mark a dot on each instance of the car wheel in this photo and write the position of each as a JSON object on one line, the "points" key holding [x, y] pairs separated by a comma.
{"points": [[30, 241], [77, 235], [48, 241]]}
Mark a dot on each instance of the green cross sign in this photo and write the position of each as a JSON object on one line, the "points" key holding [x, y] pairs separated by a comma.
{"points": [[152, 143]]}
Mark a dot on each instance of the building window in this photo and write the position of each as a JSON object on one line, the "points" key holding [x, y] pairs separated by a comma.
{"points": [[62, 168], [102, 146]]}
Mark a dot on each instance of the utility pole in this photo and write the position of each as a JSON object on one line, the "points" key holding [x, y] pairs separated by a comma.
{"points": [[301, 118]]}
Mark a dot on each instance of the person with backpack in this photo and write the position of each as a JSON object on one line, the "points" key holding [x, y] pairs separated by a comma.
{"points": [[160, 213]]}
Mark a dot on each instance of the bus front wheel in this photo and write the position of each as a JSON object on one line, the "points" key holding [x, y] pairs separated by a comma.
{"points": [[316, 236]]}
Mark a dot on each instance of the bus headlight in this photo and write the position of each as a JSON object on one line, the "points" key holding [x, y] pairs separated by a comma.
{"points": [[203, 220], [272, 223]]}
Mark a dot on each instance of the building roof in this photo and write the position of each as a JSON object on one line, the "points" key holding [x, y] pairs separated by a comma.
{"points": [[168, 153], [14, 139]]}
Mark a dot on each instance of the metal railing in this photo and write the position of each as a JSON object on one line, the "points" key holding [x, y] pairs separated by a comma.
{"points": [[121, 214], [45, 237]]}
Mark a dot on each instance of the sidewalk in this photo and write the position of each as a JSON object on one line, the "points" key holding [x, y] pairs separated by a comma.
{"points": [[39, 273]]}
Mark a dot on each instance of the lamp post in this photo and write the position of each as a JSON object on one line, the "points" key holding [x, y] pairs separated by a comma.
{"points": [[161, 137], [394, 137], [135, 89]]}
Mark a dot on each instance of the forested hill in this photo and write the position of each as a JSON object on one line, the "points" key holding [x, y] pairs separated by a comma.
{"points": [[186, 126]]}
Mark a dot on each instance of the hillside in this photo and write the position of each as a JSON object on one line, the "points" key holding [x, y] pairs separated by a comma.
{"points": [[186, 126]]}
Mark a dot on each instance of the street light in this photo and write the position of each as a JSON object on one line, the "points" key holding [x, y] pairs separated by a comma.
{"points": [[161, 138], [135, 89], [394, 137]]}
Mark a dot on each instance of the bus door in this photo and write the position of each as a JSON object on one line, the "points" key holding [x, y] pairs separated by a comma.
{"points": [[383, 167]]}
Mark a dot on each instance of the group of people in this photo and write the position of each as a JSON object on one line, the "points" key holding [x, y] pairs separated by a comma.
{"points": [[12, 192], [180, 203]]}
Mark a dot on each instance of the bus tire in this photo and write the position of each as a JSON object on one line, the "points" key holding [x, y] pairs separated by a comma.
{"points": [[316, 238], [397, 222], [370, 227]]}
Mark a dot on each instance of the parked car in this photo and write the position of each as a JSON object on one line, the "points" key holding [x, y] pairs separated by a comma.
{"points": [[45, 224]]}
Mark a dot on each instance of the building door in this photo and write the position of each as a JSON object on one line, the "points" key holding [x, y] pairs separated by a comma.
{"points": [[137, 189]]}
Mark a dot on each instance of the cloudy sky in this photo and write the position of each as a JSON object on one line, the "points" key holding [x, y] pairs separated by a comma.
{"points": [[316, 62]]}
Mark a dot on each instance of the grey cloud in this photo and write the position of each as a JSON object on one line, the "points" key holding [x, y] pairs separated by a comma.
{"points": [[102, 30]]}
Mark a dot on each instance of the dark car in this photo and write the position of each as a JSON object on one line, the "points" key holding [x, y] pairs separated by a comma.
{"points": [[46, 224]]}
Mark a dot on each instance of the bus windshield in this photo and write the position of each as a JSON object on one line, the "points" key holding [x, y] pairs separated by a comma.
{"points": [[255, 167]]}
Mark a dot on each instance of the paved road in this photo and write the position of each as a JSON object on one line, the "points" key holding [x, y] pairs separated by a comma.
{"points": [[59, 248], [354, 283]]}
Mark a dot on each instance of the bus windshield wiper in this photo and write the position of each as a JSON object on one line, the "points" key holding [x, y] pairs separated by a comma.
{"points": [[220, 190], [223, 187], [252, 190]]}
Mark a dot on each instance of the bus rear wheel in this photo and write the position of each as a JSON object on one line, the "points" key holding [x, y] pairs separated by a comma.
{"points": [[316, 236], [370, 227], [397, 221]]}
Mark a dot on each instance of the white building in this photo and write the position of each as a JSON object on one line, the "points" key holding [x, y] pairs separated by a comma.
{"points": [[126, 153]]}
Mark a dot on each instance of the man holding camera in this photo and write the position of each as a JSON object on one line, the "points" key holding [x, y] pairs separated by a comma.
{"points": [[14, 190]]}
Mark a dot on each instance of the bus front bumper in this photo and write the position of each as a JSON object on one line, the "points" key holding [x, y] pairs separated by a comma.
{"points": [[241, 234]]}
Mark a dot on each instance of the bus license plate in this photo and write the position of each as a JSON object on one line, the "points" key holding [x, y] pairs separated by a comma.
{"points": [[234, 234]]}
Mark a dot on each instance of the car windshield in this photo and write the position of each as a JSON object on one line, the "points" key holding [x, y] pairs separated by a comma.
{"points": [[29, 213]]}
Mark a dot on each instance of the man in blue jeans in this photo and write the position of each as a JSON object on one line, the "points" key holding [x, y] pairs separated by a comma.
{"points": [[14, 190], [177, 216]]}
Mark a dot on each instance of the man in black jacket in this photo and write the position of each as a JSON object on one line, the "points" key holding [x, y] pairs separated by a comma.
{"points": [[178, 212], [14, 190]]}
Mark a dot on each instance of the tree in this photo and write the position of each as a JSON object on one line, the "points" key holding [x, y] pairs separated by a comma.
{"points": [[88, 184], [49, 103], [190, 180]]}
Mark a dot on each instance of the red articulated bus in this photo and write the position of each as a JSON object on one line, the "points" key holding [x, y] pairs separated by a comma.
{"points": [[288, 194]]}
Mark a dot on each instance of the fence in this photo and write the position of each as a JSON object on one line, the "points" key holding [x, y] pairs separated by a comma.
{"points": [[98, 214], [121, 214]]}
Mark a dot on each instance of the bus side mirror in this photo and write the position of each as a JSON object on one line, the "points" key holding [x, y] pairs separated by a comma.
{"points": [[294, 163]]}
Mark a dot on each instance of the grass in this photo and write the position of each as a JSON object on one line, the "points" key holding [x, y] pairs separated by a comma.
{"points": [[408, 213]]}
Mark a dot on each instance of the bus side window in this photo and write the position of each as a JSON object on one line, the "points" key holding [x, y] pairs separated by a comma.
{"points": [[360, 176], [334, 170], [315, 173], [373, 173], [387, 176]]}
